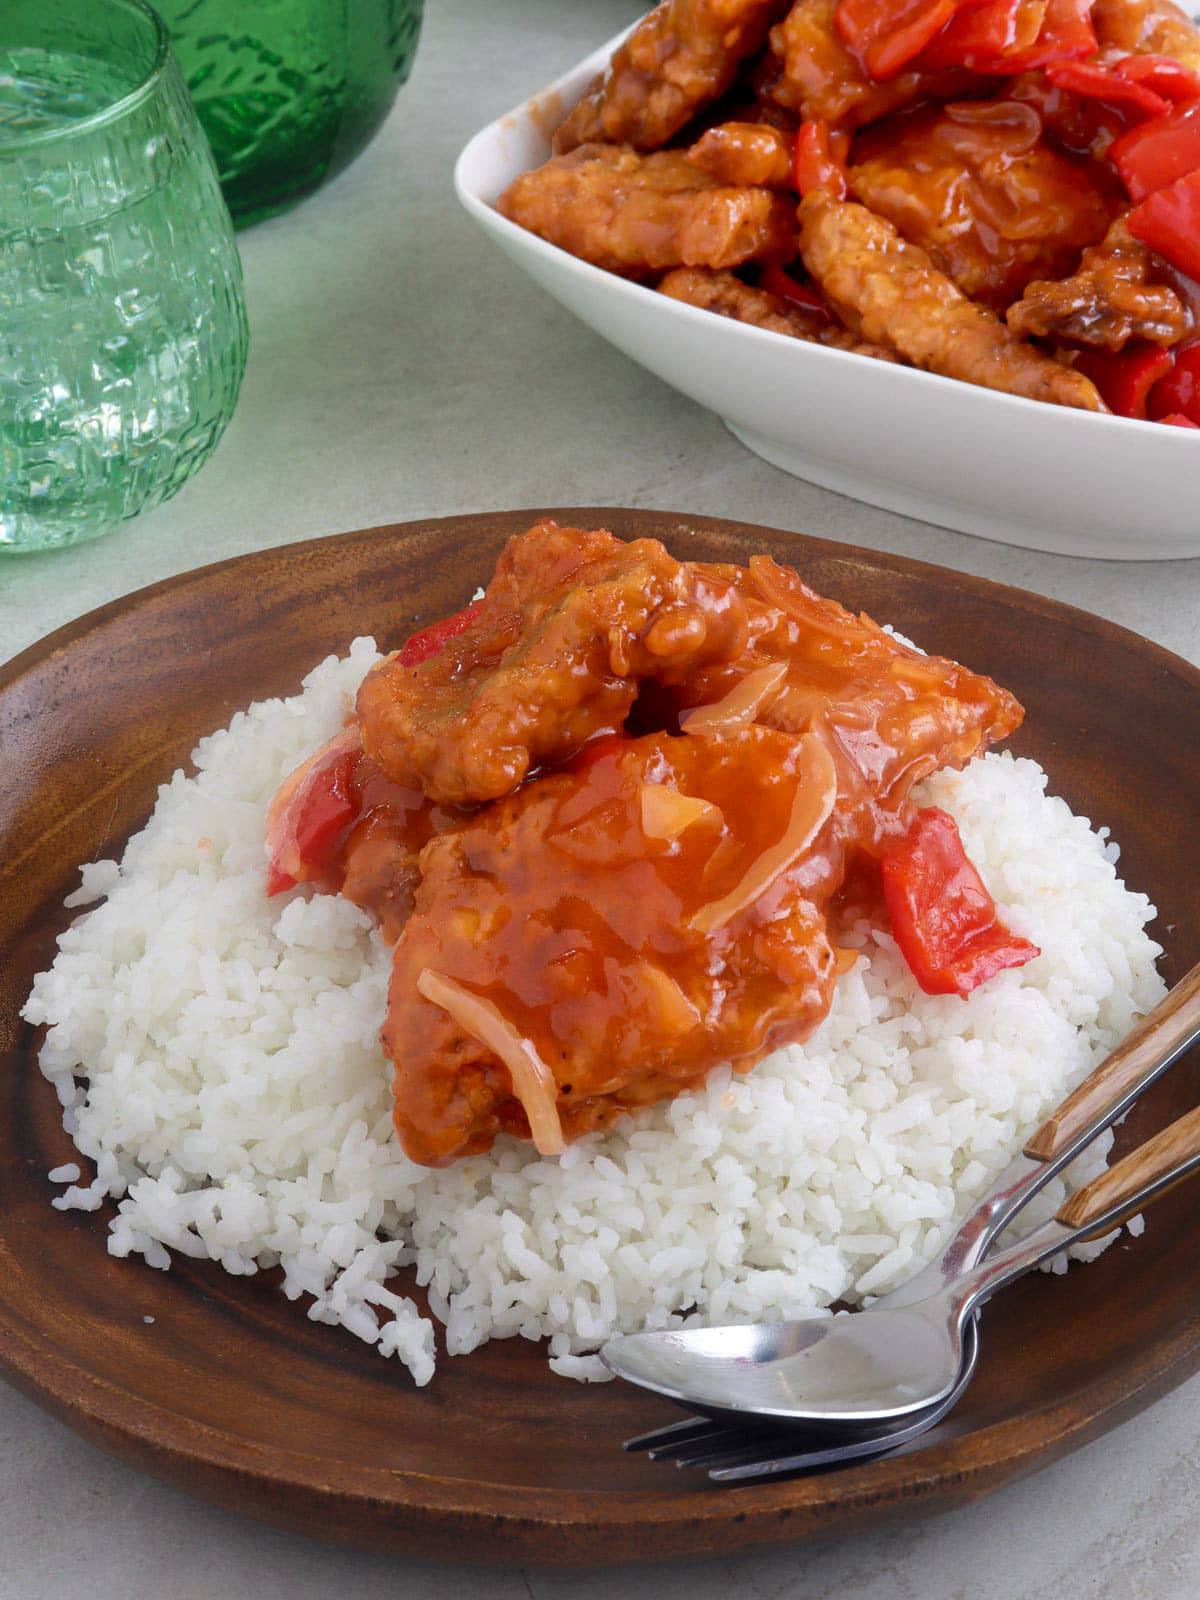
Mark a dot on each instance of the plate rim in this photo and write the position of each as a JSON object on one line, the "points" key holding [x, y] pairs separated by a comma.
{"points": [[202, 1457]]}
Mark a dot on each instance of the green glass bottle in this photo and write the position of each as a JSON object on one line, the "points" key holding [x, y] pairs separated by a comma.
{"points": [[289, 91]]}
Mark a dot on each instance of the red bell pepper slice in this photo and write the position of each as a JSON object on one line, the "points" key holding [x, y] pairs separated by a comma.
{"points": [[1177, 393], [775, 280], [327, 806], [1125, 377], [1176, 420], [815, 165], [1067, 34], [313, 807], [431, 641], [1156, 154], [278, 880], [1092, 82], [1166, 76], [1169, 222], [943, 918], [885, 35], [981, 35]]}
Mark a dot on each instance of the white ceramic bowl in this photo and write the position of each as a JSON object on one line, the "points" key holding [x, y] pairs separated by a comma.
{"points": [[1042, 476]]}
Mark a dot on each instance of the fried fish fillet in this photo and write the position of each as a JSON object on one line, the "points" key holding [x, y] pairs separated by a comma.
{"points": [[746, 153], [728, 296], [1111, 299], [680, 57], [636, 215], [889, 292], [978, 186], [1148, 27], [819, 79], [572, 622]]}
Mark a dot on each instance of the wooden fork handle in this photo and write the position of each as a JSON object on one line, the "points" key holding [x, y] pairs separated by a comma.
{"points": [[1175, 1147], [1156, 1035]]}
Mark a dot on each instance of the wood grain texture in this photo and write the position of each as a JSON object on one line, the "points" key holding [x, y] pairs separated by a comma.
{"points": [[1167, 1027], [234, 1395], [1177, 1146]]}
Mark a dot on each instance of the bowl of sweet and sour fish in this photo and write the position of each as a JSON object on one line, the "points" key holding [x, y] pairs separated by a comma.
{"points": [[951, 283]]}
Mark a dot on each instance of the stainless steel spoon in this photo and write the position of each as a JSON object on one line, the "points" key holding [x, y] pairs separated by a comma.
{"points": [[906, 1353]]}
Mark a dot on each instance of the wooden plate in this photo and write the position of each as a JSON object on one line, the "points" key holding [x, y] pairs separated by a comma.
{"points": [[231, 1393]]}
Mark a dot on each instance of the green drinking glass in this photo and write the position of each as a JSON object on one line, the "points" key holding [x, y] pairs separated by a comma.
{"points": [[289, 91], [122, 325]]}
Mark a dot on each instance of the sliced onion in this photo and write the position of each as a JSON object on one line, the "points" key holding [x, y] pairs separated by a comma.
{"points": [[533, 1082], [816, 791], [666, 813], [281, 814], [675, 1010], [799, 602], [917, 673], [741, 705]]}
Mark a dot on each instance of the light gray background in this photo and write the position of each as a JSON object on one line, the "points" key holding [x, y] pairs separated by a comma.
{"points": [[400, 368]]}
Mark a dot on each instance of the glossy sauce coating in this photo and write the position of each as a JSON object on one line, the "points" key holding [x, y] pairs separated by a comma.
{"points": [[570, 624], [637, 215], [976, 184], [557, 906], [622, 803]]}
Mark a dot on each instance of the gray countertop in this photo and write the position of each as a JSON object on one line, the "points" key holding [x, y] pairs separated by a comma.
{"points": [[400, 368]]}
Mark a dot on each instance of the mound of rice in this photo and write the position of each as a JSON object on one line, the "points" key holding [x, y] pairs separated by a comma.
{"points": [[217, 1060]]}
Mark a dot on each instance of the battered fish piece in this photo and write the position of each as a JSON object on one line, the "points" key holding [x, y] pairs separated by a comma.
{"points": [[1111, 299], [890, 715], [636, 215], [680, 57], [751, 153], [605, 937], [977, 186], [890, 293], [818, 79], [728, 296], [1148, 27], [571, 623]]}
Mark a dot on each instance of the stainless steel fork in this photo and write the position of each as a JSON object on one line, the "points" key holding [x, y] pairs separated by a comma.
{"points": [[734, 1452]]}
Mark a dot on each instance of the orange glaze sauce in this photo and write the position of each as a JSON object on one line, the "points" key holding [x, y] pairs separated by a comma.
{"points": [[976, 184], [580, 927], [374, 862]]}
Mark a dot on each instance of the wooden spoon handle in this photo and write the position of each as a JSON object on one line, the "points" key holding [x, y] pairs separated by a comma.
{"points": [[1172, 1155], [1158, 1035]]}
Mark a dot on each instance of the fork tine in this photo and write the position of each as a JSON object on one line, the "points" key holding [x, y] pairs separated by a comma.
{"points": [[676, 1432], [738, 1447], [715, 1447], [759, 1466]]}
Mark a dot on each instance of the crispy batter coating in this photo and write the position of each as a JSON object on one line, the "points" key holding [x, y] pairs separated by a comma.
{"points": [[1111, 299], [659, 906], [892, 715], [728, 296], [746, 153], [1148, 27], [637, 215], [571, 622], [680, 57], [557, 907], [977, 186], [890, 292], [816, 77]]}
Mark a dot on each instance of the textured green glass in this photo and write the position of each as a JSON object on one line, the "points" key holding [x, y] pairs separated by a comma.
{"points": [[122, 326], [289, 91]]}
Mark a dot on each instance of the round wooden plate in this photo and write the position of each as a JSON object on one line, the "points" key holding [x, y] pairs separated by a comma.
{"points": [[231, 1392]]}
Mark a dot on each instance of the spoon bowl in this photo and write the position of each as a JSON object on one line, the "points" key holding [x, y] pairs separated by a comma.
{"points": [[850, 1369]]}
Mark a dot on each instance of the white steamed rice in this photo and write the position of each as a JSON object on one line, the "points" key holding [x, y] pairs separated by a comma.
{"points": [[217, 1059]]}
